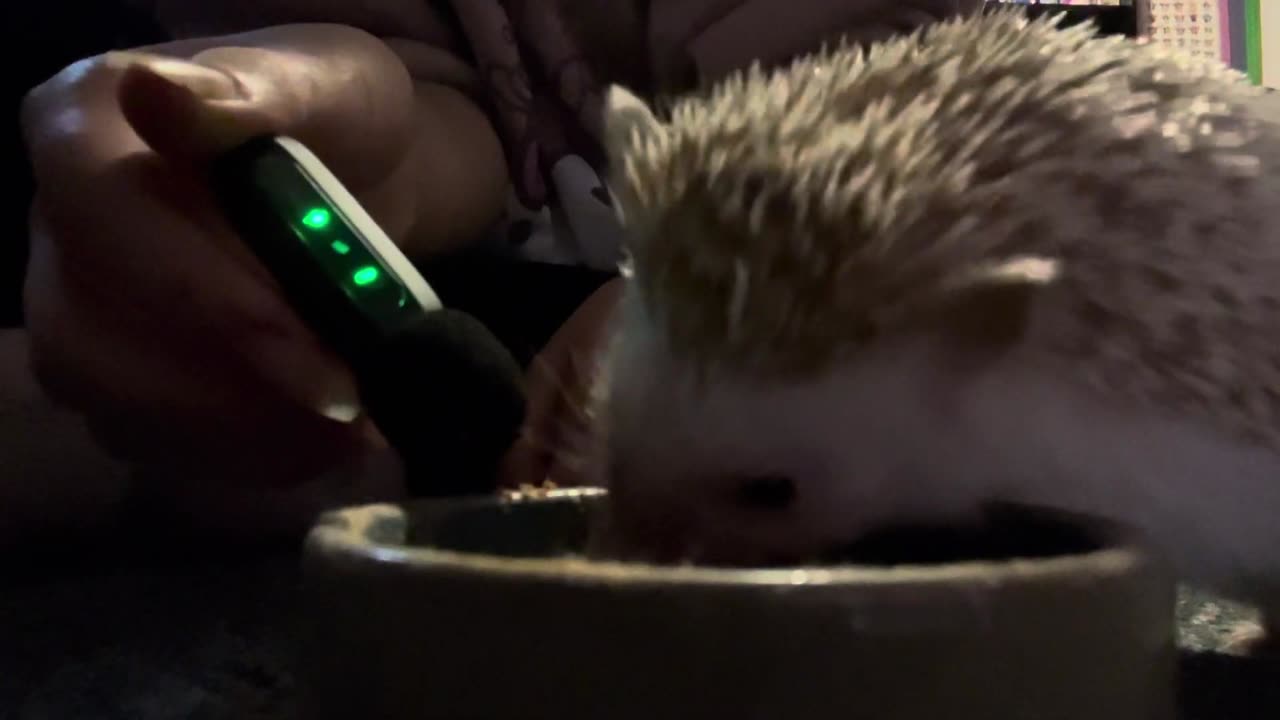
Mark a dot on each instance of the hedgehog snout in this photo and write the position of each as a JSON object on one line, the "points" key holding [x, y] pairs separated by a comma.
{"points": [[729, 519], [734, 468]]}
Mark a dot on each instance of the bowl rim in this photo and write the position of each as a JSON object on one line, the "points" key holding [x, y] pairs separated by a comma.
{"points": [[341, 535]]}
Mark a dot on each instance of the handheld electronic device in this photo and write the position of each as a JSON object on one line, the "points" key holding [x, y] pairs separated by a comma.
{"points": [[442, 389]]}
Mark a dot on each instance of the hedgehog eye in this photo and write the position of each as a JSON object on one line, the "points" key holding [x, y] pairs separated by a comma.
{"points": [[765, 492]]}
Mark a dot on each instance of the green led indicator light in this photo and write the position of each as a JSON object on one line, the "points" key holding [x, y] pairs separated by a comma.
{"points": [[317, 218], [366, 275], [340, 247]]}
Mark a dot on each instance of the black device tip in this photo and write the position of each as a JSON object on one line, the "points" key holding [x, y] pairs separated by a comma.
{"points": [[449, 397]]}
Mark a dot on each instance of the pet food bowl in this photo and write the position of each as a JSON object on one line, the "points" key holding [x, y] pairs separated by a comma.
{"points": [[486, 609]]}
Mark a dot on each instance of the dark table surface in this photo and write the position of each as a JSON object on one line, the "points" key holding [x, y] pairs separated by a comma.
{"points": [[206, 637]]}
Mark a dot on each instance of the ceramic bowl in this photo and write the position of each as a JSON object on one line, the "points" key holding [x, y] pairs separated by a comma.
{"points": [[486, 609]]}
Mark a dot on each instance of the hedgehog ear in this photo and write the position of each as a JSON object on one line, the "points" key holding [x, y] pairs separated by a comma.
{"points": [[625, 116], [626, 119], [991, 307]]}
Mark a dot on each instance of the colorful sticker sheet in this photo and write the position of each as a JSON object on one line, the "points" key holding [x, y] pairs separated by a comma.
{"points": [[1201, 27], [1242, 33]]}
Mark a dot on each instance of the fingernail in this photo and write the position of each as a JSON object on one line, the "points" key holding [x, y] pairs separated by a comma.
{"points": [[200, 80], [339, 407], [310, 377]]}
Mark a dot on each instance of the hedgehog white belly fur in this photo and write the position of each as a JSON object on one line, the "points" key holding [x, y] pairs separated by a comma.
{"points": [[995, 259]]}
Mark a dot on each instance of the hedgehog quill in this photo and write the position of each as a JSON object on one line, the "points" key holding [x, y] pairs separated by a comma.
{"points": [[995, 260]]}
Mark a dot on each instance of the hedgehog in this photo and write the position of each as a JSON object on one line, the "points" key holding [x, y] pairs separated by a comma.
{"points": [[995, 260]]}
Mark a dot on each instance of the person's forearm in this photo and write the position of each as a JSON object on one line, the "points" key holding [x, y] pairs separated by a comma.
{"points": [[460, 173]]}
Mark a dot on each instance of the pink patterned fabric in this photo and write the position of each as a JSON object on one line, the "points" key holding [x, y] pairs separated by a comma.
{"points": [[541, 112], [546, 98]]}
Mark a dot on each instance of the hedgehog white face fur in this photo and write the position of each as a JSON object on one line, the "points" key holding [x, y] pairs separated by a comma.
{"points": [[992, 260]]}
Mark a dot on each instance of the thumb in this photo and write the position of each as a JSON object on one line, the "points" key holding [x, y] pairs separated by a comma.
{"points": [[338, 90]]}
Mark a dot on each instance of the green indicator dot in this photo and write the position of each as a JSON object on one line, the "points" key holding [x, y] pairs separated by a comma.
{"points": [[366, 275], [340, 247], [317, 218]]}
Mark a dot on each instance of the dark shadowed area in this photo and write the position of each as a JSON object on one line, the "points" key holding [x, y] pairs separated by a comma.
{"points": [[160, 634]]}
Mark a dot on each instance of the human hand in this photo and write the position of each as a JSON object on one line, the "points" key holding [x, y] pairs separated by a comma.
{"points": [[557, 426], [148, 315]]}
